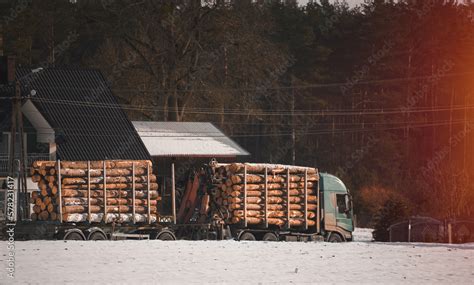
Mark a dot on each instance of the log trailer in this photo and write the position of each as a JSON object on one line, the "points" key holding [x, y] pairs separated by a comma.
{"points": [[244, 201]]}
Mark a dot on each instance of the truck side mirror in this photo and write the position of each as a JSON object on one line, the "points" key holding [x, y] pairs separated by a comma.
{"points": [[348, 203]]}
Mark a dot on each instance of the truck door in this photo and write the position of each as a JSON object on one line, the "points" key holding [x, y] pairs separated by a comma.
{"points": [[344, 212]]}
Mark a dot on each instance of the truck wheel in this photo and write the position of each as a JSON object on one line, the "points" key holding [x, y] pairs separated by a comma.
{"points": [[97, 236], [166, 236], [247, 236], [335, 238], [270, 237], [73, 236]]}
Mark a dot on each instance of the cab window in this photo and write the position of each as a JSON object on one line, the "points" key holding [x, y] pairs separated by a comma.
{"points": [[341, 203]]}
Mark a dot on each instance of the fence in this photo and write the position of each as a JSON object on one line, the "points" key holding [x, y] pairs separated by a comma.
{"points": [[462, 231], [426, 229], [417, 229], [29, 161]]}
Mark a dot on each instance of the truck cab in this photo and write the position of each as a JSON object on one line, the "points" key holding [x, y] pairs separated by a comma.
{"points": [[337, 222]]}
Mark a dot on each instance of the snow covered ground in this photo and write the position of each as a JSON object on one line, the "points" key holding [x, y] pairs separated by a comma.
{"points": [[230, 262]]}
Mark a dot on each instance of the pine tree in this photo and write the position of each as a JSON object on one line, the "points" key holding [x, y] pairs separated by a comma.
{"points": [[393, 211]]}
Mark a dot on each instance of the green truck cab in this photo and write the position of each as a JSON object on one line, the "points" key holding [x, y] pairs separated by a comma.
{"points": [[337, 222]]}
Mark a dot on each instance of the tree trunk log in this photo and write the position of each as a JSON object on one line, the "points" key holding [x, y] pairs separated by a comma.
{"points": [[71, 201], [273, 221], [258, 193], [273, 214], [110, 180], [110, 193], [271, 186], [110, 209], [272, 168], [259, 178], [72, 172], [271, 207], [97, 218], [114, 186]]}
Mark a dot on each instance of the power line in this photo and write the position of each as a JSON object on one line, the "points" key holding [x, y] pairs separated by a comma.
{"points": [[113, 133], [256, 112], [104, 87]]}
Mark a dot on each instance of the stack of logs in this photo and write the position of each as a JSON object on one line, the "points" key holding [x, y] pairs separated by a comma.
{"points": [[81, 195], [230, 188]]}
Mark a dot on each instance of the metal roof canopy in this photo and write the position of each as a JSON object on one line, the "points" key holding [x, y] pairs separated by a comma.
{"points": [[191, 139]]}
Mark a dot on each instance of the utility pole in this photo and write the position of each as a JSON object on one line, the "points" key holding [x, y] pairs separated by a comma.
{"points": [[293, 131], [451, 103], [17, 157], [466, 136]]}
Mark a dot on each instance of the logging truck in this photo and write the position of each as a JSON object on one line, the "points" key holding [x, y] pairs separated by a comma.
{"points": [[118, 199]]}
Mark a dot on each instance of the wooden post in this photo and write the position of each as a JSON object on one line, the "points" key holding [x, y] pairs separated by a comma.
{"points": [[59, 192], [318, 207], [173, 194], [148, 192], [105, 192], [89, 191], [119, 197], [288, 197], [133, 192], [266, 196], [409, 230], [245, 195], [450, 232], [306, 199]]}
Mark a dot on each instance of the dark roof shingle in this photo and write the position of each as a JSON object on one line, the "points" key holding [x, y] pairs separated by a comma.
{"points": [[88, 121]]}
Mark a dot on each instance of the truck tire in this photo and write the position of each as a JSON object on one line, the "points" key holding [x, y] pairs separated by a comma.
{"points": [[97, 235], [335, 237], [166, 236], [247, 236], [270, 237], [73, 236]]}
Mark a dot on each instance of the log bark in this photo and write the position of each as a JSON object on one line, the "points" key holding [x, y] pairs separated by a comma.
{"points": [[36, 178], [110, 209], [94, 164], [50, 208], [271, 186], [74, 187], [258, 193], [110, 180], [97, 218], [72, 172], [70, 201], [272, 168], [43, 216], [273, 221], [273, 200], [36, 209], [259, 178], [271, 207], [47, 200], [110, 193], [112, 186], [34, 195], [274, 214], [256, 200]]}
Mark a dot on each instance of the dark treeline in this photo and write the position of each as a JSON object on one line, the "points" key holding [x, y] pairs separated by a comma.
{"points": [[380, 95]]}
